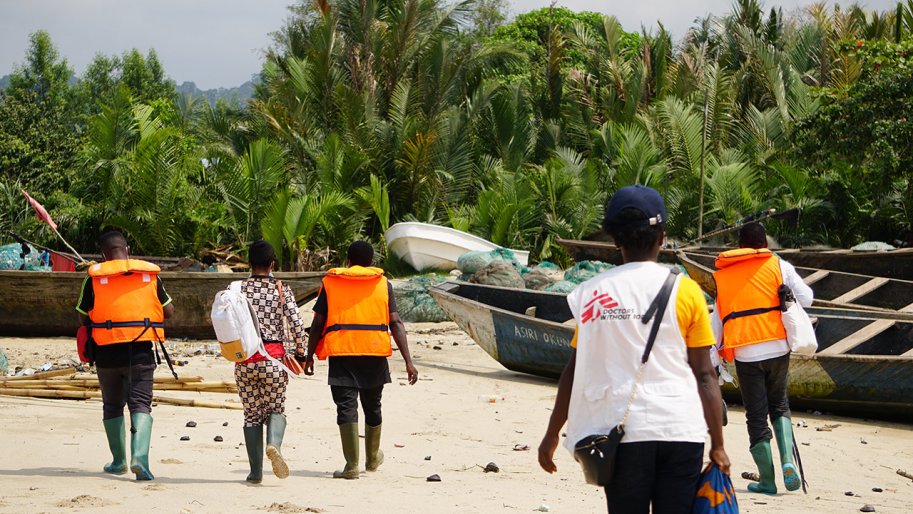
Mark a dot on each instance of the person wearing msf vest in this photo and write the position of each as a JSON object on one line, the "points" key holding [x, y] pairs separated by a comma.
{"points": [[354, 317], [748, 329], [125, 304], [667, 403]]}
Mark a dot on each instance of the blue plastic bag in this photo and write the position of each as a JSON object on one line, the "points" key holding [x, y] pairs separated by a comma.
{"points": [[715, 494]]}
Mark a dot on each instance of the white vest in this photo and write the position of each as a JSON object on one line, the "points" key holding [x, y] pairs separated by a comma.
{"points": [[610, 343]]}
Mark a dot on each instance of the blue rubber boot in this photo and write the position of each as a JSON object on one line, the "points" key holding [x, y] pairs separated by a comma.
{"points": [[140, 435], [117, 443], [783, 430]]}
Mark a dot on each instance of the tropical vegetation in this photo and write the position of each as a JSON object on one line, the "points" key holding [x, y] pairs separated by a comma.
{"points": [[369, 112]]}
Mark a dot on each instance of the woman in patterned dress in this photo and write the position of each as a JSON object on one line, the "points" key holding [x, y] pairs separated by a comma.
{"points": [[262, 383]]}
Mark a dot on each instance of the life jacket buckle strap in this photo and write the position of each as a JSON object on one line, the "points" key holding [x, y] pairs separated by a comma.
{"points": [[749, 312], [357, 326]]}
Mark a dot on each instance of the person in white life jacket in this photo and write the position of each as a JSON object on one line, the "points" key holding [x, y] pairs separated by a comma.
{"points": [[125, 304], [748, 329], [354, 317], [677, 396]]}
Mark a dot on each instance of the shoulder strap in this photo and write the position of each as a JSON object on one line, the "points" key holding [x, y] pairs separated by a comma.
{"points": [[658, 308]]}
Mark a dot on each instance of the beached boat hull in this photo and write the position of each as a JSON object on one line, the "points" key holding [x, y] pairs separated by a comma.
{"points": [[897, 264], [42, 304], [519, 342], [864, 362], [424, 246]]}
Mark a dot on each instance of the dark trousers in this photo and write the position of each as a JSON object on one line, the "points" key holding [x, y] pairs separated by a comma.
{"points": [[763, 386], [127, 385], [346, 399], [658, 472]]}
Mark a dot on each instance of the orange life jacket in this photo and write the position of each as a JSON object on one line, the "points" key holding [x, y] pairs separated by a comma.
{"points": [[358, 313], [747, 283], [127, 306]]}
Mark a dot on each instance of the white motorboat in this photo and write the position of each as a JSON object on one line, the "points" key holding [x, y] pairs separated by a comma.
{"points": [[425, 246]]}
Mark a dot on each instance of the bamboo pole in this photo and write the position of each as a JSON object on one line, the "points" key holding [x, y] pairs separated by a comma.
{"points": [[197, 403], [49, 393], [91, 382], [25, 384], [43, 374], [203, 387], [157, 380], [86, 395]]}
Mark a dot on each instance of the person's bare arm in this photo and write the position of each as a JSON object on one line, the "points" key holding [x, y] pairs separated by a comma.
{"points": [[168, 310], [708, 387], [558, 418], [314, 336], [398, 329]]}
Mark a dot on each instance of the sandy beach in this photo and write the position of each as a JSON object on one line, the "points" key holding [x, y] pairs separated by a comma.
{"points": [[53, 450]]}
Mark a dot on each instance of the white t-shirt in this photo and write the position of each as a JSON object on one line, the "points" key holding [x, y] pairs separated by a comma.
{"points": [[768, 349], [610, 343]]}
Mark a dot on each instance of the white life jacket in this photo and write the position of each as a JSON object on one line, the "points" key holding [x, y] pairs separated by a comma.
{"points": [[611, 340]]}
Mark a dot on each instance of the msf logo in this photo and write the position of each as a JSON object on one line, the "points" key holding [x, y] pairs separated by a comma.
{"points": [[593, 309]]}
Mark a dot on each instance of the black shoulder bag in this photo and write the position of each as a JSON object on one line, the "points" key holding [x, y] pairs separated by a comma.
{"points": [[596, 453]]}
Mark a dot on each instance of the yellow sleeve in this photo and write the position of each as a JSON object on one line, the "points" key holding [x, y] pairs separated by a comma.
{"points": [[693, 317], [574, 340]]}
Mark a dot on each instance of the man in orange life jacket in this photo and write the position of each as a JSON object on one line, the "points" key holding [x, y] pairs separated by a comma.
{"points": [[354, 316], [125, 304], [747, 323]]}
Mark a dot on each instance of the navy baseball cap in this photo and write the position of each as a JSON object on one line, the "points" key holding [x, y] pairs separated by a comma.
{"points": [[642, 198]]}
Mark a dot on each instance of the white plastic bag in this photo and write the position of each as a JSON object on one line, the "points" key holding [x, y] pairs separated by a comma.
{"points": [[799, 330]]}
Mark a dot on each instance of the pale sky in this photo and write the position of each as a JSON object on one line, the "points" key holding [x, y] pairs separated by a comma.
{"points": [[220, 42]]}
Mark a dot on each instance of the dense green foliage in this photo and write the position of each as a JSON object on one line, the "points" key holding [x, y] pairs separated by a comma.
{"points": [[370, 112]]}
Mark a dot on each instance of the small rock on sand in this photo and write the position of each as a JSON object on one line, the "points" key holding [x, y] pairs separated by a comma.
{"points": [[185, 438], [217, 439], [491, 467], [867, 508], [191, 424], [434, 478]]}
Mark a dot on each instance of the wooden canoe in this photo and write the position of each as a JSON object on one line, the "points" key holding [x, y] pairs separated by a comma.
{"points": [[896, 264], [496, 318], [37, 303], [864, 363], [831, 288]]}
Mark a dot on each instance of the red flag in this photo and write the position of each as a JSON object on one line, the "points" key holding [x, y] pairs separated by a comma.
{"points": [[40, 211]]}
